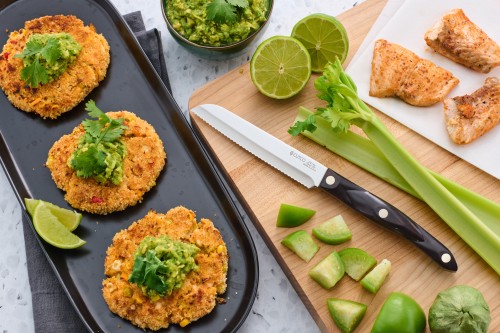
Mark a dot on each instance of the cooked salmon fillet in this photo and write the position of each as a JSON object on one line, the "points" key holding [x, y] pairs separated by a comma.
{"points": [[470, 116], [456, 37], [64, 93], [143, 162], [397, 71], [199, 292]]}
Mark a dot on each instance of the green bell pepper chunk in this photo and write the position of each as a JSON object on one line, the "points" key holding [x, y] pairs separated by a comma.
{"points": [[400, 313]]}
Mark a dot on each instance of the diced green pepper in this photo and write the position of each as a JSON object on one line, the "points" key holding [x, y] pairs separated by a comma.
{"points": [[400, 313], [376, 277], [328, 271], [292, 216], [345, 313], [302, 244], [333, 231], [356, 262]]}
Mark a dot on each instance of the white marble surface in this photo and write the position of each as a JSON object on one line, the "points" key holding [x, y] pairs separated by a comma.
{"points": [[277, 307]]}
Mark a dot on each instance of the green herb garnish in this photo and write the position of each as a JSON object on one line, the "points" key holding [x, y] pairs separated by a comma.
{"points": [[161, 265], [104, 128], [46, 56], [225, 11], [457, 207], [100, 151]]}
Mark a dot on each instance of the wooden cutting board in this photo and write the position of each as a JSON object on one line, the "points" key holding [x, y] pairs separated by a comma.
{"points": [[262, 190]]}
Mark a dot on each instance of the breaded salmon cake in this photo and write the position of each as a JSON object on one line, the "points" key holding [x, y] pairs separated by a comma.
{"points": [[199, 292], [143, 162], [64, 93]]}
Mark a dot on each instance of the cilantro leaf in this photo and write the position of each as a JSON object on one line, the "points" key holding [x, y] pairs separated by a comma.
{"points": [[93, 110], [145, 272], [99, 146], [224, 11], [32, 48], [51, 52], [221, 12], [238, 3], [89, 162], [43, 58], [104, 128], [34, 74]]}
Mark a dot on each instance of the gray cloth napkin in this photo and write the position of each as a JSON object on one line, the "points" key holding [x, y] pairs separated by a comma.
{"points": [[52, 310]]}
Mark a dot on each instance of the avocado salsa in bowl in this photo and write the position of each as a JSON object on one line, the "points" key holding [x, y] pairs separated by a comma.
{"points": [[215, 26]]}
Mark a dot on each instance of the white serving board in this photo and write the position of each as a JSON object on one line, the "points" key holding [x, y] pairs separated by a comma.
{"points": [[407, 28]]}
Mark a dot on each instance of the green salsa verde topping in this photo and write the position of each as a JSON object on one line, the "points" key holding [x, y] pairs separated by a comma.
{"points": [[216, 22], [161, 265], [46, 56]]}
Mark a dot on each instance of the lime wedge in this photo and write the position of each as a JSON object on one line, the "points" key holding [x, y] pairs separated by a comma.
{"points": [[280, 67], [69, 218], [324, 37], [52, 231]]}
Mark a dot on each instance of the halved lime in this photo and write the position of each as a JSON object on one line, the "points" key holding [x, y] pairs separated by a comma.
{"points": [[280, 67], [324, 37], [52, 231], [69, 218]]}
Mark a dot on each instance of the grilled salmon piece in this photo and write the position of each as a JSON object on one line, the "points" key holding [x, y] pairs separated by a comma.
{"points": [[470, 116], [456, 37], [397, 71]]}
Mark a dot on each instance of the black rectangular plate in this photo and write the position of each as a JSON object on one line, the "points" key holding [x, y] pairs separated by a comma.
{"points": [[189, 178]]}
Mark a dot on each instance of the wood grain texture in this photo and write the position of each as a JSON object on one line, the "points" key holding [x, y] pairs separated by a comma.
{"points": [[262, 189]]}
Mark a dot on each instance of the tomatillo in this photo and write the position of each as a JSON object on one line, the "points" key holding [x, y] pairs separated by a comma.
{"points": [[400, 313]]}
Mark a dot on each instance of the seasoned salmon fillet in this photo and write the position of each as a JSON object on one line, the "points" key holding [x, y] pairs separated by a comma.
{"points": [[459, 39], [470, 116], [200, 291], [397, 71]]}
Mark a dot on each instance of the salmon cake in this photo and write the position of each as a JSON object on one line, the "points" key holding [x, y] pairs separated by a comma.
{"points": [[200, 289], [144, 160], [51, 99]]}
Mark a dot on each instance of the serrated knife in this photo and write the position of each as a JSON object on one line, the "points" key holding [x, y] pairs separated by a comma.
{"points": [[311, 173]]}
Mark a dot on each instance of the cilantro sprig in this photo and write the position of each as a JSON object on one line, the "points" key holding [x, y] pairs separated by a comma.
{"points": [[46, 56], [225, 11], [100, 144], [104, 128], [161, 265]]}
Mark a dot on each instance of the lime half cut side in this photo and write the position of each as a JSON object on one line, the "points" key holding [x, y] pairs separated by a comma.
{"points": [[52, 231], [324, 37], [280, 67], [69, 218]]}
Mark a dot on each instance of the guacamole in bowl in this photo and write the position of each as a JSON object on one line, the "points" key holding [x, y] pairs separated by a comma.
{"points": [[216, 25]]}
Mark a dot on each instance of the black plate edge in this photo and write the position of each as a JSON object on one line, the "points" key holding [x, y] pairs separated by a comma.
{"points": [[20, 189]]}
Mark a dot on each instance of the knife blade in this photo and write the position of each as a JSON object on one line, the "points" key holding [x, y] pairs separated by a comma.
{"points": [[311, 173]]}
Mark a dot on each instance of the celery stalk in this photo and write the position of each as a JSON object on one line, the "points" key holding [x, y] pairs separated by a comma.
{"points": [[365, 154], [344, 108]]}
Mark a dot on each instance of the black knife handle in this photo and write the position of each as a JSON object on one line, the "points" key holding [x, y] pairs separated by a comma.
{"points": [[387, 216]]}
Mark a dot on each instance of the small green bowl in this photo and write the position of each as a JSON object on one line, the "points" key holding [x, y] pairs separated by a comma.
{"points": [[215, 51]]}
